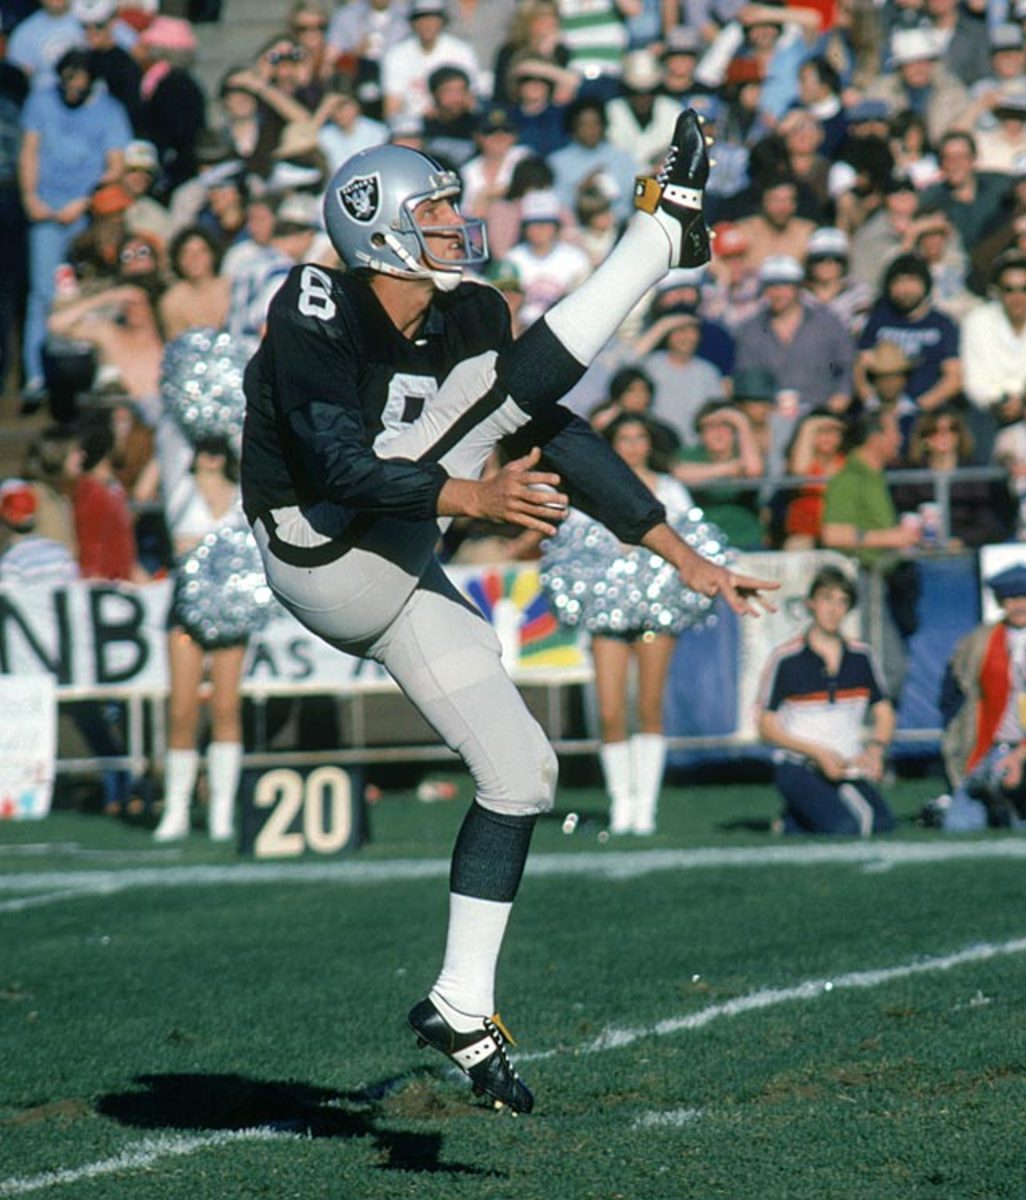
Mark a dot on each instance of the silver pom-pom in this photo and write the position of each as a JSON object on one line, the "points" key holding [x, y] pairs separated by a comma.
{"points": [[221, 596], [594, 581], [201, 383]]}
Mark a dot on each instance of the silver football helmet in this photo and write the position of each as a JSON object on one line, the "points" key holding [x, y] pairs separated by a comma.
{"points": [[368, 210]]}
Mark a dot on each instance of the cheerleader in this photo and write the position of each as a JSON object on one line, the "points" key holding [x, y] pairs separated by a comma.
{"points": [[635, 608], [201, 496]]}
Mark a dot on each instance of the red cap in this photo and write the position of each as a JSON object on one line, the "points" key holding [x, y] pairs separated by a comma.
{"points": [[17, 503], [729, 240]]}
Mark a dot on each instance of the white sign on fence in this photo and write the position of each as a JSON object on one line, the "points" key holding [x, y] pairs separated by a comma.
{"points": [[28, 745]]}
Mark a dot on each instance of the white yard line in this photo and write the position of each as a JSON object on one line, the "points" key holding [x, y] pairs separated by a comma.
{"points": [[616, 864], [135, 1158], [615, 1038]]}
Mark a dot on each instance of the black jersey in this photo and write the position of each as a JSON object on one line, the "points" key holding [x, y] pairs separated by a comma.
{"points": [[331, 349]]}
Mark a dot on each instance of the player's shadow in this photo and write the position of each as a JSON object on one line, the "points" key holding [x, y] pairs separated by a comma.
{"points": [[198, 1102]]}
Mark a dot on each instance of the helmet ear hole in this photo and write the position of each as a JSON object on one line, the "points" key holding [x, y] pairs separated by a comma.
{"points": [[377, 240]]}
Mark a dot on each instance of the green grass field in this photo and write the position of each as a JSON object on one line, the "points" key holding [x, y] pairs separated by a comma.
{"points": [[708, 1013]]}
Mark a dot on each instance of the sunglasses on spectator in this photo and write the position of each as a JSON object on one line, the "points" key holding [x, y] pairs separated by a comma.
{"points": [[943, 427], [296, 54], [309, 26], [131, 253], [1012, 289]]}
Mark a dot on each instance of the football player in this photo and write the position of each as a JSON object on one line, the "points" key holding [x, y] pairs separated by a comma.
{"points": [[372, 404]]}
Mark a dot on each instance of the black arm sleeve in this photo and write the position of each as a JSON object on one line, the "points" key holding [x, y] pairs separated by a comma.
{"points": [[595, 477], [329, 442]]}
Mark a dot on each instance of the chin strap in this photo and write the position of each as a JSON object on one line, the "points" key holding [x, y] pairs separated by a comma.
{"points": [[445, 281]]}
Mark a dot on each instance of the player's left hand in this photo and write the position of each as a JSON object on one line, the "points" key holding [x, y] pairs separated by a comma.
{"points": [[743, 593]]}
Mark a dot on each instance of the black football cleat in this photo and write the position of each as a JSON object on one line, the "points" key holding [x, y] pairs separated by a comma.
{"points": [[676, 192], [481, 1054]]}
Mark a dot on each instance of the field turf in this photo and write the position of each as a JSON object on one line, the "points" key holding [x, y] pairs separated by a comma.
{"points": [[712, 1012]]}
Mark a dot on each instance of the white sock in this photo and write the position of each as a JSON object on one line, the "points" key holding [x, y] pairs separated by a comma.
{"points": [[224, 762], [464, 991], [589, 316], [648, 759], [180, 770], [616, 768]]}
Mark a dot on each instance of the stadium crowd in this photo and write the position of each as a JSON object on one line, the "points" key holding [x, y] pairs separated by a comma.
{"points": [[864, 309]]}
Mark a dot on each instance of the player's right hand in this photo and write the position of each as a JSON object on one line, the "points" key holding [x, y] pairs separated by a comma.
{"points": [[520, 495]]}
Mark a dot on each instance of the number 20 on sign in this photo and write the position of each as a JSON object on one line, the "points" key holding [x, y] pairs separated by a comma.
{"points": [[289, 812]]}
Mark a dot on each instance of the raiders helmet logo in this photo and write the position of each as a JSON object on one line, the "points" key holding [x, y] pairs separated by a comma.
{"points": [[361, 198]]}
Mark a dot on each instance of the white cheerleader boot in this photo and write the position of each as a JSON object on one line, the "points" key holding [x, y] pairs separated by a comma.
{"points": [[648, 758], [180, 772], [616, 767], [224, 761]]}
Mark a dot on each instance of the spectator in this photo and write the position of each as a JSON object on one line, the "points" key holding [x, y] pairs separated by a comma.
{"points": [[819, 91], [145, 214], [254, 286], [885, 234], [982, 701], [488, 175], [49, 465], [173, 105], [631, 392], [451, 119], [776, 229], [503, 212], [39, 42], [962, 36], [726, 451], [937, 243], [73, 139], [595, 34], [969, 198], [911, 151], [359, 34], [905, 315], [1007, 65], [201, 295], [597, 231], [406, 66], [733, 294], [979, 511], [539, 116], [30, 559], [776, 40], [803, 142], [827, 280], [801, 343], [121, 324], [816, 450], [13, 226], [888, 369], [534, 38], [308, 25], [589, 156], [640, 119], [755, 393], [999, 148], [859, 516], [1005, 231], [668, 351], [344, 127], [103, 519], [918, 81], [548, 266], [682, 47], [198, 501], [505, 278], [815, 695], [94, 252], [110, 61], [685, 288]]}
